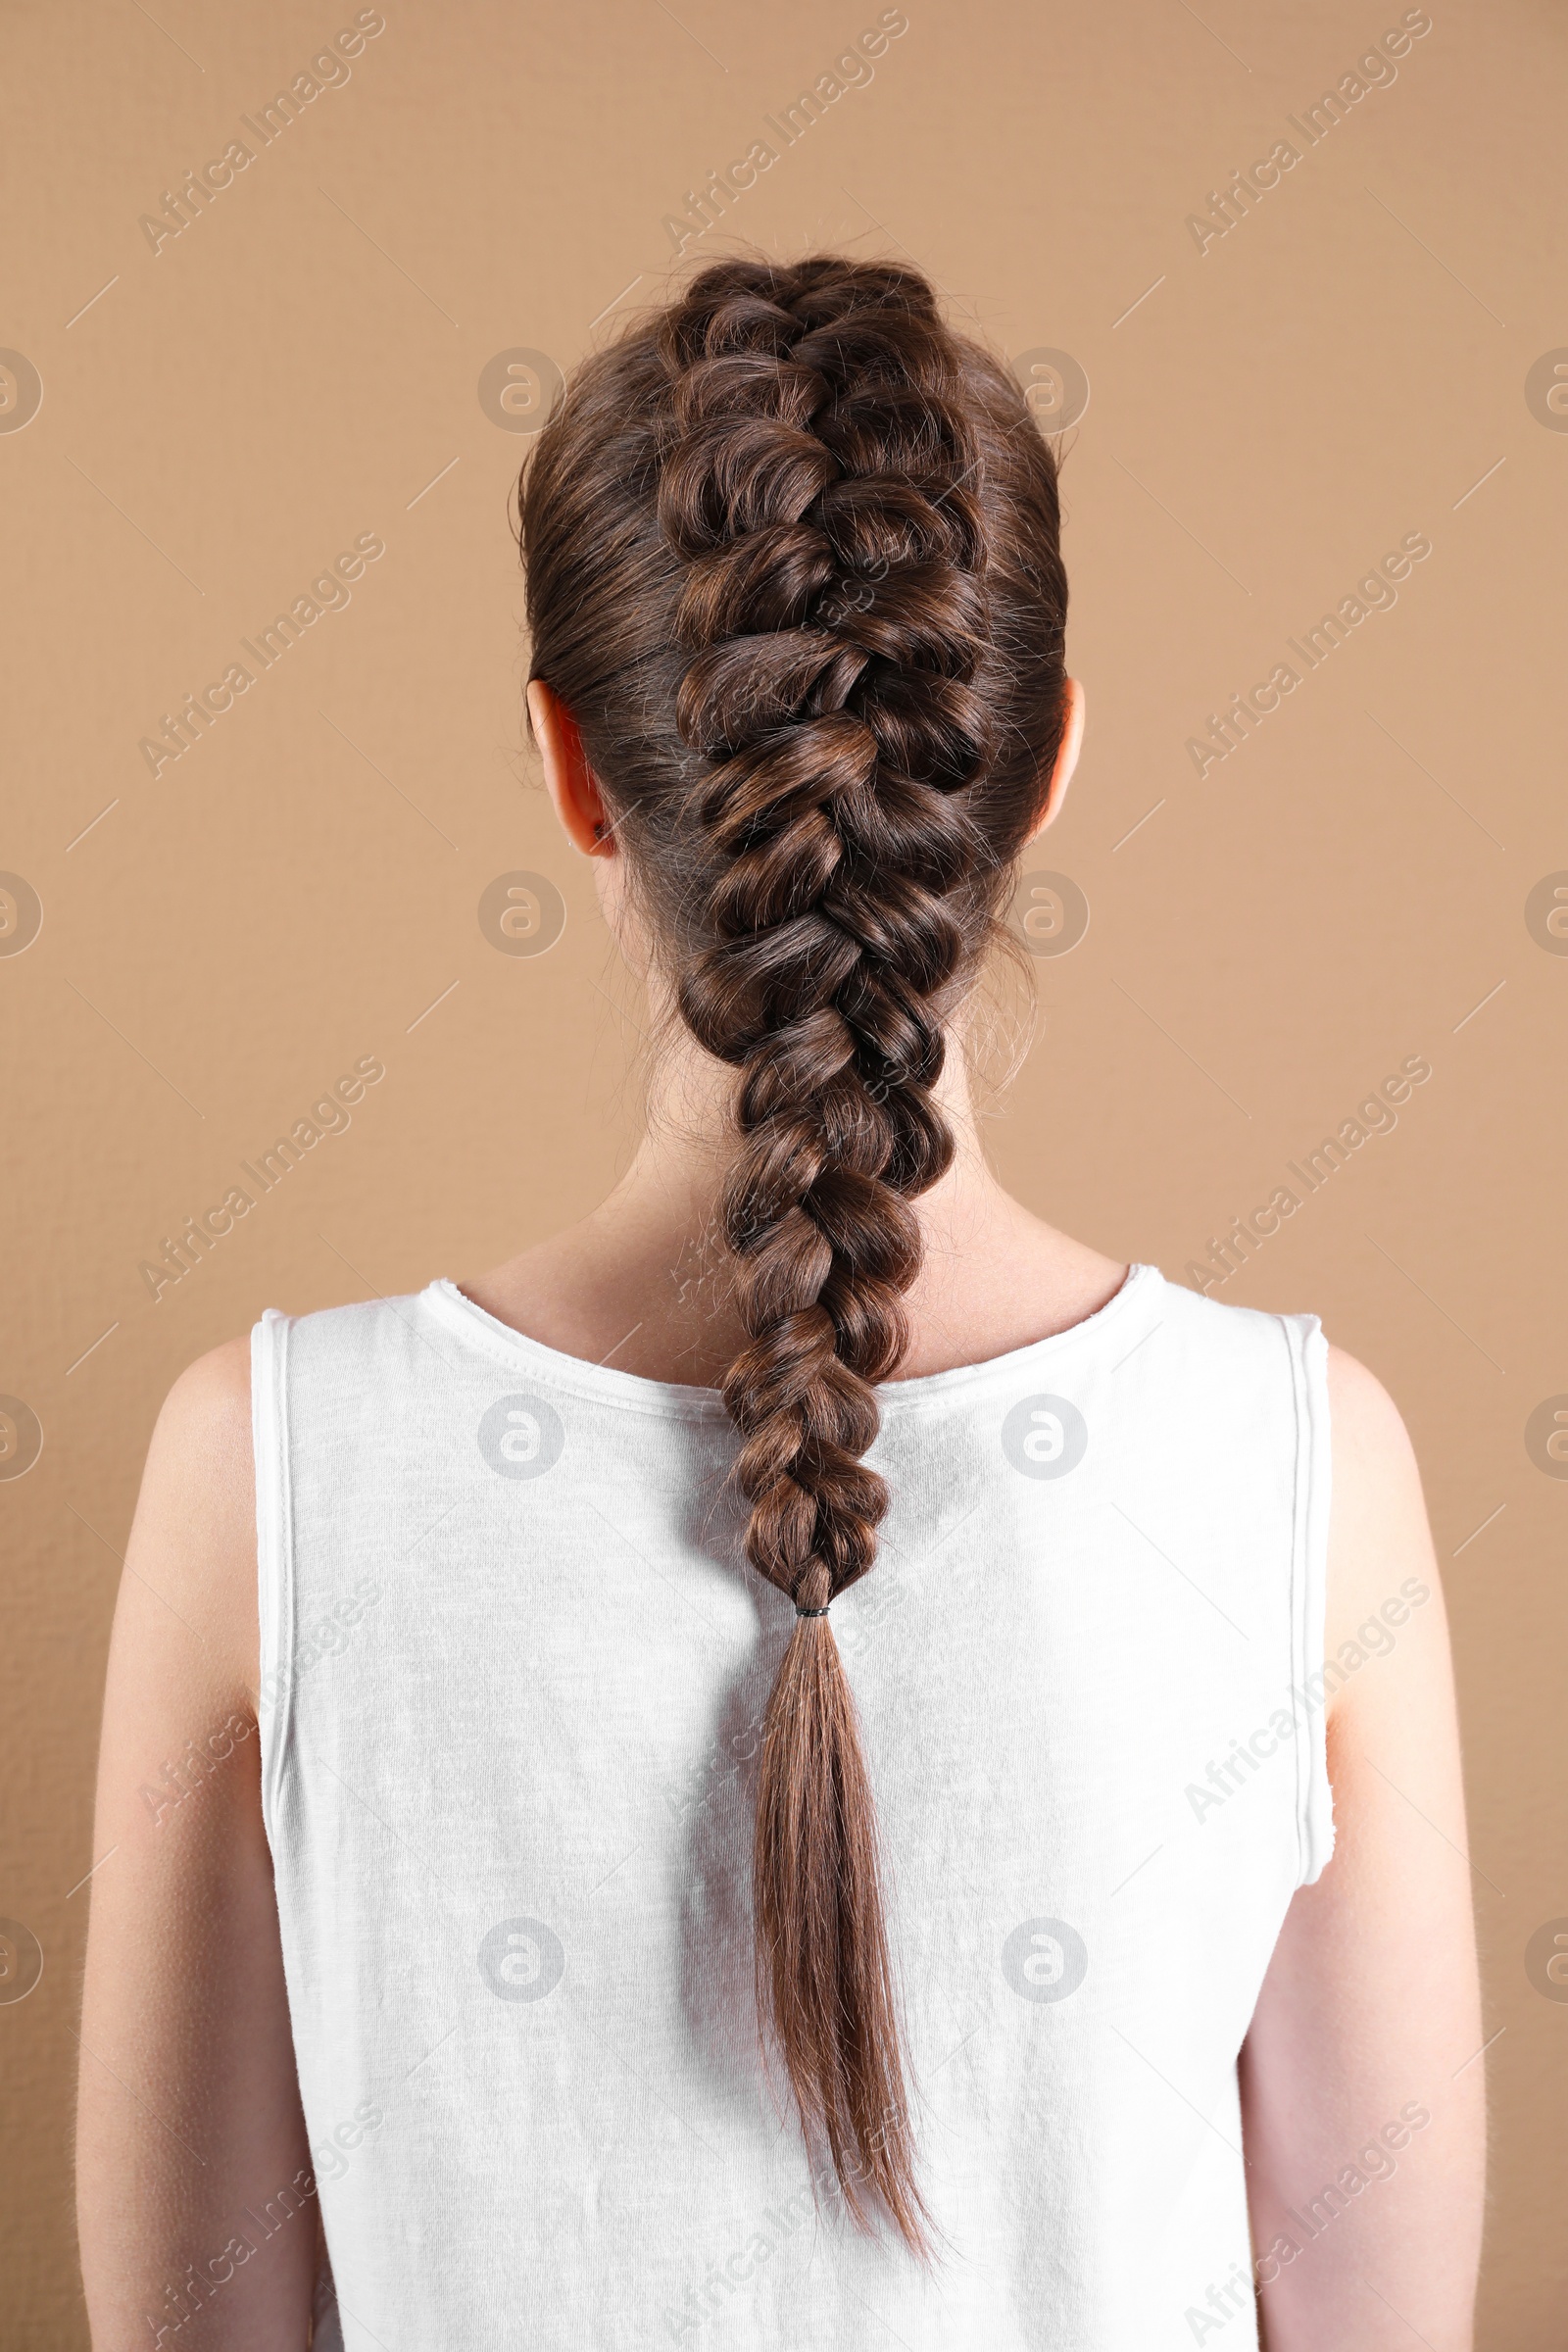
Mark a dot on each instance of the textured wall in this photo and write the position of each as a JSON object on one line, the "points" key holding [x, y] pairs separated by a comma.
{"points": [[323, 362]]}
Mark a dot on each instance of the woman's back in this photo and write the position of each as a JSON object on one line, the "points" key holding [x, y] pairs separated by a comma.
{"points": [[515, 1670], [792, 1798]]}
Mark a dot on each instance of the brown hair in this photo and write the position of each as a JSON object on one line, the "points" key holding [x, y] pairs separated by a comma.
{"points": [[793, 568]]}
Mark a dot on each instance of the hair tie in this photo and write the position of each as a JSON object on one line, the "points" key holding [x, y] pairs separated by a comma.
{"points": [[800, 1612]]}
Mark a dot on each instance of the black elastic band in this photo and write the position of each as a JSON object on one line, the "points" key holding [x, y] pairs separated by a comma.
{"points": [[800, 1612]]}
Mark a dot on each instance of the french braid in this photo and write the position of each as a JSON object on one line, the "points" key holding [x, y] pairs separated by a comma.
{"points": [[793, 566]]}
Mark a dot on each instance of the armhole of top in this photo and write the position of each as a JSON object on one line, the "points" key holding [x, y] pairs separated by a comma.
{"points": [[1309, 1358], [275, 1580]]}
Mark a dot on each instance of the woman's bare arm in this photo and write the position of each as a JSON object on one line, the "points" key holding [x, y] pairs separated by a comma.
{"points": [[196, 2199], [1362, 2083]]}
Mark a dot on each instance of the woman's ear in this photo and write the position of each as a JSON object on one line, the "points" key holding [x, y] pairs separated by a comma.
{"points": [[572, 785], [1073, 735]]}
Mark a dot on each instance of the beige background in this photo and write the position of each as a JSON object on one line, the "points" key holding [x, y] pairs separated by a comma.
{"points": [[1348, 889]]}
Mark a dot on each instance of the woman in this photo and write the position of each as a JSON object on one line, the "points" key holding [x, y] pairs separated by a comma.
{"points": [[800, 1725]]}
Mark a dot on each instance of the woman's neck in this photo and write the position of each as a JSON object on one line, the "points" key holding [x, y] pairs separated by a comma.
{"points": [[644, 1281]]}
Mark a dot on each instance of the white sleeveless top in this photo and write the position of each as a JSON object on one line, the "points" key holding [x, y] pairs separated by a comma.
{"points": [[514, 1670]]}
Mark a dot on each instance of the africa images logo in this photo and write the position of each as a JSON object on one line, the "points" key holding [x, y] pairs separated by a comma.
{"points": [[521, 1437], [1045, 1436], [1045, 1960], [521, 1960]]}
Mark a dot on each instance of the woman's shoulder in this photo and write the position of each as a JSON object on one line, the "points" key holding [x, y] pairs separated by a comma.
{"points": [[201, 1442], [191, 1556], [199, 1451], [1381, 1562], [214, 1387]]}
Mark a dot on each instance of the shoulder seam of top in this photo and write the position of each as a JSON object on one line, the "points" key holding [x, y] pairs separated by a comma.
{"points": [[1309, 1593], [274, 1552]]}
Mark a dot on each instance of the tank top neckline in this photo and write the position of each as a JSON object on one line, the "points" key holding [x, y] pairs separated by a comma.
{"points": [[674, 1399]]}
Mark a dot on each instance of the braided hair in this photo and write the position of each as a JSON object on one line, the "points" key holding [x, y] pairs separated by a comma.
{"points": [[792, 567]]}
